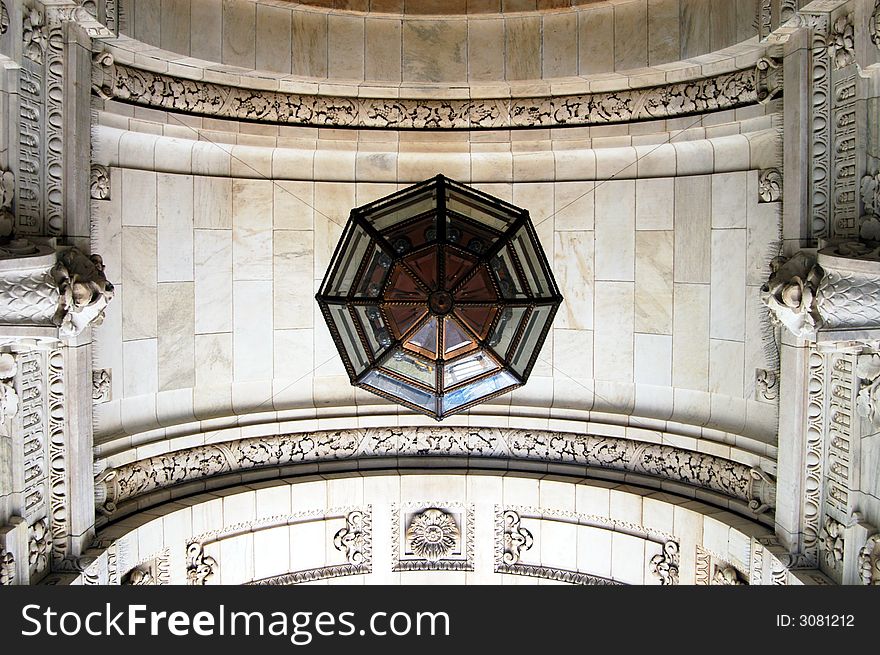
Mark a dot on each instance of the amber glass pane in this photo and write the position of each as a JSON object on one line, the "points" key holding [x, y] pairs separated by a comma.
{"points": [[457, 267], [403, 239], [402, 286], [424, 340], [456, 340], [478, 319], [403, 317], [425, 266], [477, 289]]}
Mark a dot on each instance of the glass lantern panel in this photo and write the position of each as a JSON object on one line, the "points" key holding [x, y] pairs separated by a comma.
{"points": [[350, 258], [425, 266], [401, 390], [413, 367], [392, 213], [456, 340], [477, 390], [355, 350], [457, 267], [528, 343], [536, 276], [413, 235], [505, 329], [478, 210], [424, 341], [478, 288], [378, 265], [467, 235], [505, 274], [467, 367], [377, 333], [403, 317], [402, 286], [478, 319]]}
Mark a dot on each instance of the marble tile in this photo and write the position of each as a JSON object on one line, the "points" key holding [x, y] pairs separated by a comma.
{"points": [[485, 58], [726, 367], [239, 43], [252, 229], [693, 212], [175, 27], [522, 48], [690, 336], [560, 40], [627, 558], [574, 204], [139, 197], [271, 552], [729, 199], [213, 357], [206, 24], [237, 555], [252, 329], [273, 47], [696, 32], [573, 353], [175, 228], [596, 40], [763, 240], [728, 284], [594, 551], [176, 342], [615, 230], [147, 20], [293, 351], [345, 47], [140, 362], [382, 50], [655, 203], [723, 22], [308, 543], [309, 43], [213, 280], [139, 309], [558, 545], [630, 35], [573, 270], [663, 31], [653, 359], [293, 270], [293, 207], [613, 331], [653, 290], [434, 50]]}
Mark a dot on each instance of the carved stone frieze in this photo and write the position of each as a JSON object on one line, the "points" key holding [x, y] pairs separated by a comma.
{"points": [[139, 577], [869, 222], [199, 567], [145, 476], [309, 575], [7, 196], [868, 373], [99, 182], [820, 127], [770, 185], [841, 42], [39, 546], [726, 91], [762, 491], [664, 566], [4, 19]]}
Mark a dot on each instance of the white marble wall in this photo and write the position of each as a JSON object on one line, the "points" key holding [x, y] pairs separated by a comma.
{"points": [[573, 526], [390, 47]]}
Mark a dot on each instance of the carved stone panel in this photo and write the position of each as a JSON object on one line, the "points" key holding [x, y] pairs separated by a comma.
{"points": [[432, 537]]}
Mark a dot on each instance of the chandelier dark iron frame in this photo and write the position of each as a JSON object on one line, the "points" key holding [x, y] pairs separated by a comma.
{"points": [[439, 297]]}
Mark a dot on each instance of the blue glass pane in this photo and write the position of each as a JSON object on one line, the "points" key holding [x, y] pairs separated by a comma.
{"points": [[479, 389], [398, 389]]}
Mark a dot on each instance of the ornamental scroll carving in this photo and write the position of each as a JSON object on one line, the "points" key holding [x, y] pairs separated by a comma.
{"points": [[199, 567], [111, 79], [664, 566], [516, 538], [667, 462], [354, 538], [834, 291]]}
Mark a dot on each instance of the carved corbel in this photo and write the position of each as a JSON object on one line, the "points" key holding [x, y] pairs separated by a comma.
{"points": [[762, 490], [103, 75], [768, 78], [105, 492], [790, 294], [83, 289]]}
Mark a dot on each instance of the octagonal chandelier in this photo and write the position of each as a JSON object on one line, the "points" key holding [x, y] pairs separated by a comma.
{"points": [[439, 297]]}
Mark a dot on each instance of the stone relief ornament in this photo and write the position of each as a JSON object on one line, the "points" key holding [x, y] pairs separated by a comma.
{"points": [[34, 35], [770, 185], [432, 535], [101, 385], [4, 19], [790, 294], [199, 567], [139, 577], [769, 79], [874, 24], [762, 491], [664, 566], [869, 561], [7, 568], [8, 396], [832, 538], [841, 42], [868, 399], [116, 80], [7, 195], [84, 291], [766, 385], [516, 538], [99, 182], [353, 539], [145, 476], [727, 576], [869, 222], [39, 546]]}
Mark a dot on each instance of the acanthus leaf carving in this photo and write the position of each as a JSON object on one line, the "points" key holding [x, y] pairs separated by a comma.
{"points": [[768, 79], [869, 222], [869, 561], [34, 37], [766, 385], [874, 24], [762, 491], [8, 395], [7, 568], [7, 196], [726, 576], [841, 42], [832, 542], [101, 385], [39, 546]]}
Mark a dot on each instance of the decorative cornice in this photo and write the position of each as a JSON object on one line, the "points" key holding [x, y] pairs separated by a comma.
{"points": [[559, 575], [145, 476], [126, 83]]}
